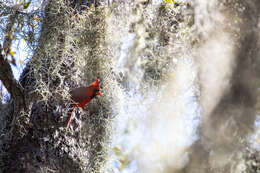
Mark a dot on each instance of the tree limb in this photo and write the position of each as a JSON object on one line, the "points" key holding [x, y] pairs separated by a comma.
{"points": [[6, 74], [9, 33], [7, 78], [13, 87]]}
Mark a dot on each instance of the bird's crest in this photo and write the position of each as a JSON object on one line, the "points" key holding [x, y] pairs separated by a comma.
{"points": [[95, 83]]}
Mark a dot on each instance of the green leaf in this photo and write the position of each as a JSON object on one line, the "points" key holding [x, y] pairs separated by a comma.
{"points": [[26, 5], [36, 19], [11, 53], [168, 1], [117, 151], [124, 161]]}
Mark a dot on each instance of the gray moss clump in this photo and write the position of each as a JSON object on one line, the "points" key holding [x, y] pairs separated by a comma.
{"points": [[74, 48], [72, 52], [159, 31]]}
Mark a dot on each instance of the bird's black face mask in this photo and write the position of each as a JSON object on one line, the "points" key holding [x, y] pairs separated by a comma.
{"points": [[96, 92]]}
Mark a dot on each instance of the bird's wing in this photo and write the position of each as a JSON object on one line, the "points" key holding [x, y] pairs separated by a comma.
{"points": [[79, 94]]}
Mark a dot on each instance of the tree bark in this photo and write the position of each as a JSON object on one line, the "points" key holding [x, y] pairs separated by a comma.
{"points": [[70, 53]]}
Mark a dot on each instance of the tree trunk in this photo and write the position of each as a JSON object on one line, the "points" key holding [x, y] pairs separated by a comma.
{"points": [[71, 53]]}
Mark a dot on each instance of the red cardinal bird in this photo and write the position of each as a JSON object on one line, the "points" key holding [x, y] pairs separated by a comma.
{"points": [[83, 95]]}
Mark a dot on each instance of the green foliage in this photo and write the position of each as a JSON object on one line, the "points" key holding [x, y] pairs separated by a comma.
{"points": [[172, 2], [123, 158], [26, 5]]}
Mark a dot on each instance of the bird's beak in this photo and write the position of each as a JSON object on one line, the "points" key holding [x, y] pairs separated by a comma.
{"points": [[99, 93]]}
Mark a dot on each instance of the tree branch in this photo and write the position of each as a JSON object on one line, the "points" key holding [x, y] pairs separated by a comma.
{"points": [[6, 74], [9, 33], [7, 78], [13, 87]]}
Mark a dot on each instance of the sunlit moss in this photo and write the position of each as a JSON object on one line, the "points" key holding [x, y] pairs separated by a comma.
{"points": [[72, 52]]}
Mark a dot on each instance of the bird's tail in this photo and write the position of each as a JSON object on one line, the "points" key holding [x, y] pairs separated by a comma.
{"points": [[71, 115]]}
